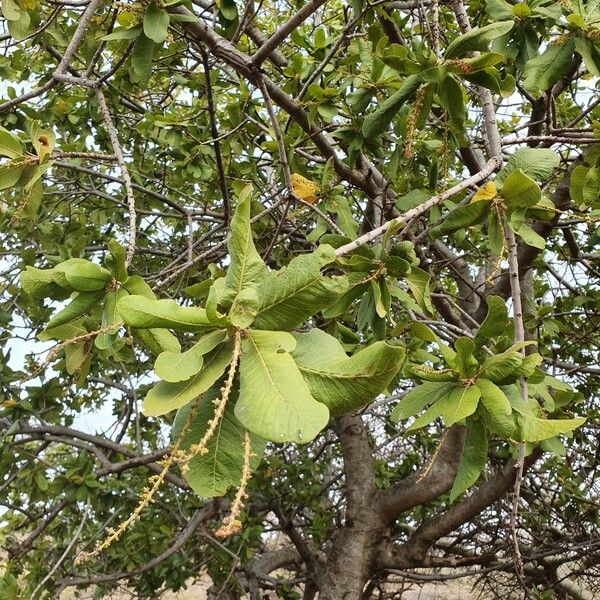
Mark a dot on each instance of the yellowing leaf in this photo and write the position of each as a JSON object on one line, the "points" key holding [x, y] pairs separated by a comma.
{"points": [[305, 189], [485, 192]]}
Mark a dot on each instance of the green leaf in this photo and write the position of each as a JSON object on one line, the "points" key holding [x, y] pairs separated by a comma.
{"points": [[460, 218], [588, 51], [136, 286], [10, 173], [11, 10], [432, 413], [141, 58], [460, 403], [537, 163], [494, 323], [180, 366], [419, 397], [275, 401], [156, 23], [122, 34], [498, 406], [165, 397], [41, 283], [10, 146], [473, 459], [378, 121], [530, 237], [428, 374], [116, 260], [247, 268], [543, 71], [419, 283], [110, 316], [535, 429], [477, 39], [465, 363], [520, 191], [340, 382], [500, 366], [141, 312], [478, 63], [451, 97], [19, 29], [80, 305], [228, 9], [244, 308], [213, 473], [158, 340], [83, 275], [591, 187], [424, 333], [290, 296]]}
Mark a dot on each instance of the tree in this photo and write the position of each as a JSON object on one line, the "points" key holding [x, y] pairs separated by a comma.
{"points": [[310, 287]]}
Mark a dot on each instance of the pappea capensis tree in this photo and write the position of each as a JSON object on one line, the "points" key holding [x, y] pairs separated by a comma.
{"points": [[299, 297]]}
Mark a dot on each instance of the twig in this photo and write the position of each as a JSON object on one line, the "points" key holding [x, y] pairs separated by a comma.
{"points": [[215, 135], [114, 140], [515, 288], [63, 555], [489, 168], [273, 42]]}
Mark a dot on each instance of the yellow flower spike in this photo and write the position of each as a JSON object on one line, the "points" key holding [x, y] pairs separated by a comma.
{"points": [[485, 192], [305, 189]]}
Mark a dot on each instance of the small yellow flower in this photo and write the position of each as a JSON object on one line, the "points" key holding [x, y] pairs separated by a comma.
{"points": [[305, 189]]}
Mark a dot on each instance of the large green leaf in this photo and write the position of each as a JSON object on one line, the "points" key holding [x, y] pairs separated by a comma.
{"points": [[40, 283], [165, 397], [275, 402], [433, 412], [460, 403], [158, 340], [156, 23], [79, 305], [477, 39], [378, 121], [141, 58], [211, 474], [419, 397], [142, 312], [10, 173], [460, 218], [531, 427], [83, 275], [419, 283], [497, 405], [530, 236], [290, 296], [179, 366], [10, 145], [451, 97], [520, 191], [340, 382], [537, 163], [247, 268], [465, 362], [110, 317], [543, 71], [473, 459], [494, 323], [500, 366]]}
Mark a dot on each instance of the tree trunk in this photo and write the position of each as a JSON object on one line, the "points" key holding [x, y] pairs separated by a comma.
{"points": [[350, 564]]}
